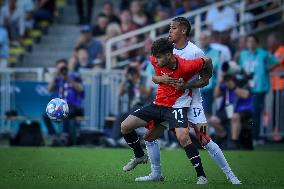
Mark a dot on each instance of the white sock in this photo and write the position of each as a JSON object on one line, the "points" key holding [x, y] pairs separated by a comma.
{"points": [[153, 150], [218, 156]]}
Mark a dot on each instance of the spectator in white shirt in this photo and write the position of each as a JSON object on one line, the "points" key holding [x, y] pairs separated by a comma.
{"points": [[221, 18], [13, 18], [216, 43]]}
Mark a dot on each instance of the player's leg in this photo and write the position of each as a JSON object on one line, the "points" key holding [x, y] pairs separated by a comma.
{"points": [[138, 118], [153, 151], [177, 118], [197, 118], [236, 129], [192, 153], [128, 127]]}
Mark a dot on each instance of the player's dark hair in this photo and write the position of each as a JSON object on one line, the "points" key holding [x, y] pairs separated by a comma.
{"points": [[254, 37], [62, 60], [161, 46], [184, 21]]}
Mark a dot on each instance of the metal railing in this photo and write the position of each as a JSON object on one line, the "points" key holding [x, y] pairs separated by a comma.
{"points": [[196, 27], [102, 99]]}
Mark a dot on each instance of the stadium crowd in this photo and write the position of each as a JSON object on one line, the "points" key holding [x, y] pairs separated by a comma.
{"points": [[233, 99]]}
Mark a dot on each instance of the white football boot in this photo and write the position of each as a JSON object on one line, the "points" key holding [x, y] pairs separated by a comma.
{"points": [[202, 180], [134, 162], [233, 178], [150, 177]]}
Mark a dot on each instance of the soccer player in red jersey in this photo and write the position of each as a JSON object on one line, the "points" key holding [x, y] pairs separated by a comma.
{"points": [[171, 104], [179, 35]]}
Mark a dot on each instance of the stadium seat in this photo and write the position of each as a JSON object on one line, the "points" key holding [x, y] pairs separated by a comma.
{"points": [[35, 35], [44, 26], [27, 43], [16, 55], [60, 4], [12, 61]]}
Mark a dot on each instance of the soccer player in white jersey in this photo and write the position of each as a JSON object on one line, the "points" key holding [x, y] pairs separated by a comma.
{"points": [[179, 34]]}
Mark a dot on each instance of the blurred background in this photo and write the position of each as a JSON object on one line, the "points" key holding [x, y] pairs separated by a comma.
{"points": [[95, 54]]}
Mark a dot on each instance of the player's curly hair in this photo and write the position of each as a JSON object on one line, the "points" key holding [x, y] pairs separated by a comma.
{"points": [[162, 46], [184, 21]]}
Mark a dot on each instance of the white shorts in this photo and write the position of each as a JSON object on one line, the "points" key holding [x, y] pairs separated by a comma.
{"points": [[196, 114]]}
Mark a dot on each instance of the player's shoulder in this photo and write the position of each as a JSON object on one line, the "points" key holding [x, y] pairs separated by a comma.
{"points": [[195, 49]]}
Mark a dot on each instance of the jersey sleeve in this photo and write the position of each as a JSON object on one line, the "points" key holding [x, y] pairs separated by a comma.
{"points": [[194, 66]]}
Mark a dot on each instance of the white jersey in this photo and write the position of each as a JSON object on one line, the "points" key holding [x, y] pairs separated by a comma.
{"points": [[189, 52]]}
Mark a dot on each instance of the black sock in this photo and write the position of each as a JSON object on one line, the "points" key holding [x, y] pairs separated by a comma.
{"points": [[193, 154], [132, 140]]}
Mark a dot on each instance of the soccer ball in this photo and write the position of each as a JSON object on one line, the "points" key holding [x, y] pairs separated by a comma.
{"points": [[57, 109]]}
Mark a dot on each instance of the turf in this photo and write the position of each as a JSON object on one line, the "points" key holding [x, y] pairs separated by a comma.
{"points": [[102, 168]]}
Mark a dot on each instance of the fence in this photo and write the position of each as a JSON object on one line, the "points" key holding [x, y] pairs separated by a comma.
{"points": [[25, 90], [30, 96]]}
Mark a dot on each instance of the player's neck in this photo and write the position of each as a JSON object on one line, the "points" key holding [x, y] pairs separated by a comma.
{"points": [[180, 44]]}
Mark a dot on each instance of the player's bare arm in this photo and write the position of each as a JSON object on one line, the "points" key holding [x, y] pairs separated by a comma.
{"points": [[205, 75], [164, 79]]}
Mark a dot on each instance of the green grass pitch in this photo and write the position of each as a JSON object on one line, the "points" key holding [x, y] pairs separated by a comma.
{"points": [[102, 168]]}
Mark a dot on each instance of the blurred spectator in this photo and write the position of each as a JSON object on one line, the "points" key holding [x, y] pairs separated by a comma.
{"points": [[225, 39], [217, 44], [13, 19], [241, 46], [45, 10], [109, 12], [84, 18], [126, 24], [221, 18], [94, 47], [186, 7], [28, 7], [139, 16], [149, 6], [236, 106], [113, 30], [261, 9], [163, 13], [79, 60], [207, 91], [138, 94], [276, 48], [100, 28], [4, 47], [68, 86], [189, 5], [257, 63]]}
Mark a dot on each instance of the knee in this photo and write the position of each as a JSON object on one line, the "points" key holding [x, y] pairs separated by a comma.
{"points": [[147, 137], [184, 140], [124, 128], [236, 117]]}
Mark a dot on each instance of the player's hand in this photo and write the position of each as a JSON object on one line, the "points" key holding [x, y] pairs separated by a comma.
{"points": [[166, 79], [179, 84]]}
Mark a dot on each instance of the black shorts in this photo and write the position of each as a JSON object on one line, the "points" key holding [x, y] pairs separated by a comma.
{"points": [[177, 117]]}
